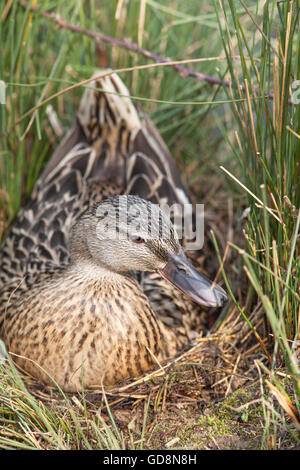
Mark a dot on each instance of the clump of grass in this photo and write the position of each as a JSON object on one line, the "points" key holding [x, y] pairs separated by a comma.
{"points": [[267, 149], [261, 42], [28, 422], [39, 60]]}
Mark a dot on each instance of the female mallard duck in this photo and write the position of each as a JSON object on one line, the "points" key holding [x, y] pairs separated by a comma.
{"points": [[82, 306]]}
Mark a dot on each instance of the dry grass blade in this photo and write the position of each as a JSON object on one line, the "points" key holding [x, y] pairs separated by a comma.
{"points": [[251, 193], [284, 402]]}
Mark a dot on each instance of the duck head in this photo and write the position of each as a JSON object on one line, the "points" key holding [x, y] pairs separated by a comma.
{"points": [[126, 233]]}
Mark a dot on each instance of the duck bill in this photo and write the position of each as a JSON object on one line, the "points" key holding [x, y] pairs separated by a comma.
{"points": [[180, 272]]}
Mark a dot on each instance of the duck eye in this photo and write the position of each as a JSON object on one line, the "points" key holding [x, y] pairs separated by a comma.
{"points": [[137, 239]]}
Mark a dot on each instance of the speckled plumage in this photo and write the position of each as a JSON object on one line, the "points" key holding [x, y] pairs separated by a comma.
{"points": [[68, 321], [78, 322]]}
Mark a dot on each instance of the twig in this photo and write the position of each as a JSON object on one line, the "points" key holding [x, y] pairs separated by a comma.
{"points": [[232, 375]]}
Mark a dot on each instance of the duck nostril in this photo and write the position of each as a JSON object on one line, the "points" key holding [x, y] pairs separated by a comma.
{"points": [[181, 270], [223, 297]]}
